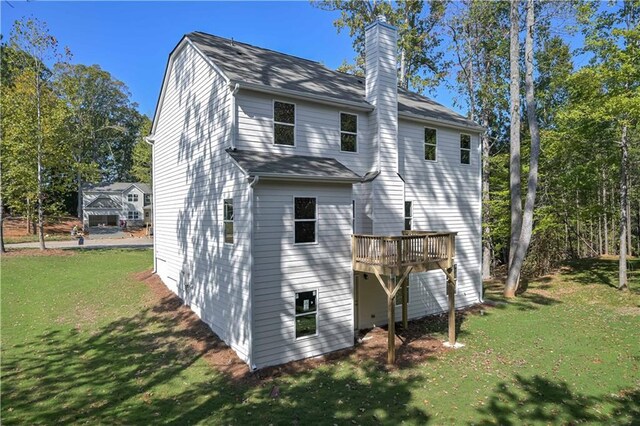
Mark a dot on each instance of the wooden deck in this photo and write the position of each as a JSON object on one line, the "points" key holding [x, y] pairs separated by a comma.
{"points": [[392, 255]]}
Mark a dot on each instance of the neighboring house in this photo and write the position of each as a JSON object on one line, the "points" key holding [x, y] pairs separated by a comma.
{"points": [[112, 204], [265, 164]]}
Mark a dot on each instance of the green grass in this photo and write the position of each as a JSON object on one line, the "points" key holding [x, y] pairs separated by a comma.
{"points": [[82, 343]]}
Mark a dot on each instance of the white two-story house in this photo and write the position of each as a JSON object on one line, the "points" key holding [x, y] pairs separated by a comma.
{"points": [[113, 204], [281, 190]]}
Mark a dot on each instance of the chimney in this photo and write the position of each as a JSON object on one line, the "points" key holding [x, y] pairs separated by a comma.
{"points": [[382, 91]]}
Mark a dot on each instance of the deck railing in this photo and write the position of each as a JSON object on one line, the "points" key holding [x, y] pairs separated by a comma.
{"points": [[390, 254]]}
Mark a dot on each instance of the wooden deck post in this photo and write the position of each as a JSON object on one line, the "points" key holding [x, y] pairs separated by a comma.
{"points": [[405, 314], [451, 293], [391, 318]]}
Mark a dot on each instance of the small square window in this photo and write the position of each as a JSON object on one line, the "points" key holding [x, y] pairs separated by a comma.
{"points": [[284, 120], [430, 143], [306, 313], [465, 149]]}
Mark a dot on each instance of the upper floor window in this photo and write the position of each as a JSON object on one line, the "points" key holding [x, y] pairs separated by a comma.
{"points": [[147, 199], [430, 144], [284, 123], [132, 198], [465, 149], [408, 215], [305, 220], [348, 132], [228, 220]]}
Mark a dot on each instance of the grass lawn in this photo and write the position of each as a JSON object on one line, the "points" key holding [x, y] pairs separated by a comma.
{"points": [[84, 341]]}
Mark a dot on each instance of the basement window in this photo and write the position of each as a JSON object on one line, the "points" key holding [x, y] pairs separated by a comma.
{"points": [[465, 149], [228, 220], [348, 132], [306, 313], [305, 220], [408, 215], [430, 144], [284, 123]]}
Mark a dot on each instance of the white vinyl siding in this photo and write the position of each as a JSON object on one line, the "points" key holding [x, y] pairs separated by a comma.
{"points": [[192, 176], [282, 269]]}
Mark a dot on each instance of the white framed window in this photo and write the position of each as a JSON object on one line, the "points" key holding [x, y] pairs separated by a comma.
{"points": [[465, 148], [408, 215], [430, 144], [284, 123], [132, 198], [306, 315], [131, 215], [348, 132], [147, 199], [305, 220], [228, 220]]}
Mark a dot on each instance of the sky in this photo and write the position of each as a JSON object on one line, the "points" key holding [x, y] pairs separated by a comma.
{"points": [[132, 40]]}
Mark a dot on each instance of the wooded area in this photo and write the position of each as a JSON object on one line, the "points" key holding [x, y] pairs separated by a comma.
{"points": [[63, 125], [576, 109]]}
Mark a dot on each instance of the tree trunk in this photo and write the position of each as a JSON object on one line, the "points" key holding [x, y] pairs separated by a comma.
{"points": [[532, 182], [79, 181], [2, 248], [606, 222], [622, 266], [39, 159], [628, 203], [514, 150]]}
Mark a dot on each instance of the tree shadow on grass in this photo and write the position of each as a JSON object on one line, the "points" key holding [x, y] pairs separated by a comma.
{"points": [[602, 271], [541, 400], [146, 369], [525, 301]]}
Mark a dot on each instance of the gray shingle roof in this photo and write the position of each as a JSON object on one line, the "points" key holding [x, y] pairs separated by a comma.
{"points": [[103, 202], [245, 63], [118, 187], [266, 164]]}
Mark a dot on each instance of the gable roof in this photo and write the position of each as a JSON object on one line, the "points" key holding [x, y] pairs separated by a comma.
{"points": [[256, 68], [103, 202], [118, 187], [285, 166]]}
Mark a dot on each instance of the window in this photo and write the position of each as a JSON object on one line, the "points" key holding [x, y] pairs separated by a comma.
{"points": [[228, 220], [146, 215], [306, 313], [132, 198], [305, 220], [147, 199], [430, 144], [408, 215], [348, 132], [284, 123], [132, 215], [465, 149]]}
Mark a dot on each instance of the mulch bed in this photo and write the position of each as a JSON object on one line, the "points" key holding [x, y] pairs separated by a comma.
{"points": [[413, 346]]}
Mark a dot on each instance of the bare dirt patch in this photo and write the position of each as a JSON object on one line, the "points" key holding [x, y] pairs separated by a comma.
{"points": [[414, 345], [629, 310], [17, 227]]}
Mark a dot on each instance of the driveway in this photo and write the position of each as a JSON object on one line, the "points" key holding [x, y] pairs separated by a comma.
{"points": [[91, 243]]}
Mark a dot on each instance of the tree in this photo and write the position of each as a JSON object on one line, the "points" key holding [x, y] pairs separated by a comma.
{"points": [[525, 232], [38, 116], [141, 169], [104, 124], [421, 63]]}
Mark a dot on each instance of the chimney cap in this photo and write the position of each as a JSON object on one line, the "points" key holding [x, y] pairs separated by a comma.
{"points": [[381, 18]]}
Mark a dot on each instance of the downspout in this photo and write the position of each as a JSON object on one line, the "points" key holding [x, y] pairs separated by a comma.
{"points": [[252, 183], [151, 141], [234, 116]]}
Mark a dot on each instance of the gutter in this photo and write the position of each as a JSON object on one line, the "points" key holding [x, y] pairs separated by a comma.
{"points": [[277, 176], [319, 99], [419, 118]]}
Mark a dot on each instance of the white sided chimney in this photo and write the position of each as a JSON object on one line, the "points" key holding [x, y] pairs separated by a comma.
{"points": [[382, 91]]}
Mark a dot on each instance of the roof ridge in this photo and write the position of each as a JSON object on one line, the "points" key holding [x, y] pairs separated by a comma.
{"points": [[234, 41]]}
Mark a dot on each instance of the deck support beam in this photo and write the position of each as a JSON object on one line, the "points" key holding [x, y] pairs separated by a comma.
{"points": [[451, 294], [391, 323]]}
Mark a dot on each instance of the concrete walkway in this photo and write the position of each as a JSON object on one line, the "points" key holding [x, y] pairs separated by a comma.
{"points": [[90, 243]]}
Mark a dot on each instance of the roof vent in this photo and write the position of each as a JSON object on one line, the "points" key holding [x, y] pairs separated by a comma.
{"points": [[239, 52], [381, 18], [232, 41], [360, 81]]}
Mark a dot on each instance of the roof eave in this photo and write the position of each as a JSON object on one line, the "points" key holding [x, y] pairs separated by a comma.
{"points": [[326, 100], [429, 120], [280, 176]]}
